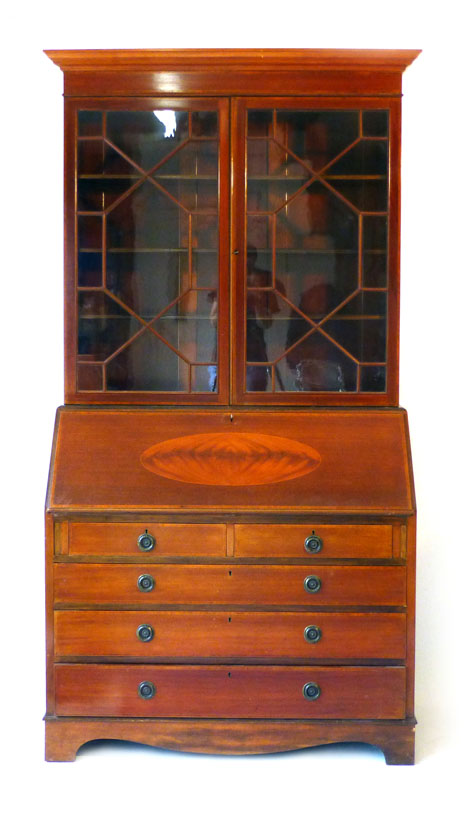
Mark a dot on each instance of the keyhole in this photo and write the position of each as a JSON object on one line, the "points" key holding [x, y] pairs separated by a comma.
{"points": [[229, 619], [230, 573]]}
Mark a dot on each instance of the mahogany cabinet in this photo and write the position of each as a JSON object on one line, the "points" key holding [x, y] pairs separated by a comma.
{"points": [[230, 518]]}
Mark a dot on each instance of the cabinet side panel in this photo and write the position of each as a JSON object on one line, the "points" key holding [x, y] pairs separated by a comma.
{"points": [[70, 311], [50, 691], [411, 600]]}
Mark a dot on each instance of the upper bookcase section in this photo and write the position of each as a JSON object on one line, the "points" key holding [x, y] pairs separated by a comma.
{"points": [[325, 71], [232, 226]]}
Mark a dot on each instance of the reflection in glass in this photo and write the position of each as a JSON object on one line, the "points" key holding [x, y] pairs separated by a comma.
{"points": [[375, 123], [373, 379], [317, 365], [317, 136], [360, 327], [90, 122], [148, 364], [190, 325], [150, 178], [313, 177], [103, 326], [143, 137]]}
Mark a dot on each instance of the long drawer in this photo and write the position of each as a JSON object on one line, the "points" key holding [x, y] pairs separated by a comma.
{"points": [[230, 692], [257, 635], [320, 541], [264, 585], [164, 539]]}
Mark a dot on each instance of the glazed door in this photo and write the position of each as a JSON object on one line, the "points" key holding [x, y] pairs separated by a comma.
{"points": [[147, 251], [315, 233]]}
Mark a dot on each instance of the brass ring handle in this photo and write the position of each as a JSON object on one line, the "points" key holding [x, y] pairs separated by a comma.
{"points": [[312, 584], [145, 583], [312, 634], [146, 542], [145, 633], [147, 690], [311, 691], [313, 543]]}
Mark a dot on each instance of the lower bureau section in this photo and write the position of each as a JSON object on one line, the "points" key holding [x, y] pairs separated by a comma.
{"points": [[279, 692]]}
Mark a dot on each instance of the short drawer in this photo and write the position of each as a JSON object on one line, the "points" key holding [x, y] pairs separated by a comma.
{"points": [[256, 635], [158, 539], [230, 692], [313, 542], [276, 585]]}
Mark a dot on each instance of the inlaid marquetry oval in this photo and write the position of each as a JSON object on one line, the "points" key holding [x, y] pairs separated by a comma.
{"points": [[230, 459]]}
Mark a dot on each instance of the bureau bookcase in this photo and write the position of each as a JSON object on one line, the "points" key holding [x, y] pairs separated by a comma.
{"points": [[230, 518]]}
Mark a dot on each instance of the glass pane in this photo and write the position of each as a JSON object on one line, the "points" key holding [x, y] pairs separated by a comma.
{"points": [[316, 136], [365, 158], [194, 159], [316, 365], [205, 231], [148, 249], [361, 326], [375, 123], [147, 364], [90, 122], [190, 325], [361, 176], [147, 281], [102, 175], [205, 268], [146, 219], [272, 326], [258, 378], [147, 137], [316, 281], [90, 272], [204, 378], [192, 194], [204, 124], [259, 123], [373, 379], [317, 219], [310, 175], [103, 326], [90, 232]]}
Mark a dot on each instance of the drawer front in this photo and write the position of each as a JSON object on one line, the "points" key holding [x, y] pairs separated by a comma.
{"points": [[336, 541], [230, 692], [265, 585], [122, 539], [257, 635]]}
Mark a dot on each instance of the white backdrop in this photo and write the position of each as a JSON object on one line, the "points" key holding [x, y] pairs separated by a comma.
{"points": [[434, 388]]}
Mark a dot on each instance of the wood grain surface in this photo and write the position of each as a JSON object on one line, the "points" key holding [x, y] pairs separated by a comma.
{"points": [[97, 461], [220, 691], [235, 585], [201, 635]]}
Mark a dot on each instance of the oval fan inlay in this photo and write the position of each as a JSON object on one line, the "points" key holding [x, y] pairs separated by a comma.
{"points": [[230, 459]]}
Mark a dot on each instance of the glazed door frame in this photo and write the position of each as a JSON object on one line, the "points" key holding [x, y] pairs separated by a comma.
{"points": [[240, 106], [72, 394]]}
